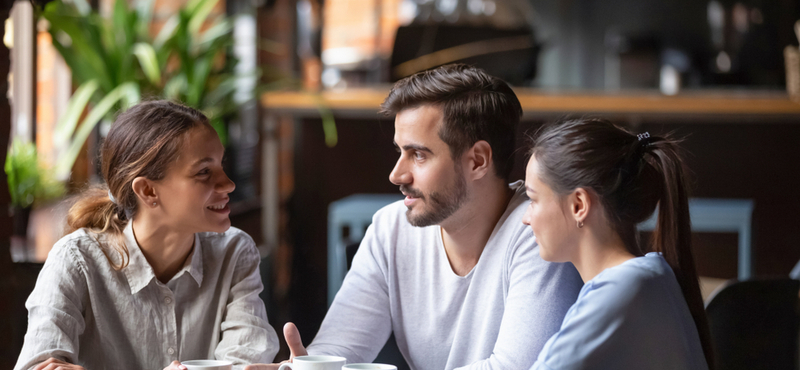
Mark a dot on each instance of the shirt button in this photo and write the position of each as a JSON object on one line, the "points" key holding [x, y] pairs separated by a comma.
{"points": [[168, 300], [171, 350]]}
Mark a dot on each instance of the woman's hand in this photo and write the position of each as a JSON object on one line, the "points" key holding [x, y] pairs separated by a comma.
{"points": [[175, 365], [56, 364]]}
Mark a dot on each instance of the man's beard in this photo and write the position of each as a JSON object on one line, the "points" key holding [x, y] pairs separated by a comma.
{"points": [[441, 205]]}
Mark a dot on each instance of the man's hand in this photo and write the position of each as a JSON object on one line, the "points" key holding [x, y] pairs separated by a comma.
{"points": [[175, 365], [292, 336], [293, 340], [56, 364]]}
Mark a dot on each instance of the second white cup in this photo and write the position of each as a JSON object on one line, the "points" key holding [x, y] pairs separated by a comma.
{"points": [[207, 365], [315, 363], [369, 367]]}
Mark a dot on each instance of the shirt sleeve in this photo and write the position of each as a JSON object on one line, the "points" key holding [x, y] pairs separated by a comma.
{"points": [[358, 322], [246, 335], [539, 295], [55, 310]]}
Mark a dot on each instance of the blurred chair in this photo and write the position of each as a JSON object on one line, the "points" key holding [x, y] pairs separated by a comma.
{"points": [[721, 215], [755, 324], [795, 274], [348, 219]]}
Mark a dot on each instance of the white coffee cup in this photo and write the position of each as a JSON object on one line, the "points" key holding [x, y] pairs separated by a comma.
{"points": [[315, 363], [369, 367], [207, 365]]}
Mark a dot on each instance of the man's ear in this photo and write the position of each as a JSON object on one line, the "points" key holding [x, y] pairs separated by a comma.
{"points": [[145, 191], [580, 203], [478, 159]]}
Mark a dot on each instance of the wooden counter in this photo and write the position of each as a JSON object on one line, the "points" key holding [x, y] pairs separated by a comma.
{"points": [[536, 103]]}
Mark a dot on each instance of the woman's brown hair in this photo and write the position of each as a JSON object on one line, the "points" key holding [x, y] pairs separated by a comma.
{"points": [[631, 175], [142, 142]]}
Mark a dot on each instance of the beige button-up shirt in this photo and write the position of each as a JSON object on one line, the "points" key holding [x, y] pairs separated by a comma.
{"points": [[85, 312]]}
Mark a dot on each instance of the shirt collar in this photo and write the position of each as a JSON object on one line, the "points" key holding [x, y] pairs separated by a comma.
{"points": [[139, 272], [195, 261]]}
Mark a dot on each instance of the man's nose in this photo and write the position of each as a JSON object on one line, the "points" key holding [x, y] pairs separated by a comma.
{"points": [[400, 174]]}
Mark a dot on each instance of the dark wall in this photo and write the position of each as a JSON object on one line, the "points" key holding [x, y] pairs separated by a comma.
{"points": [[732, 159]]}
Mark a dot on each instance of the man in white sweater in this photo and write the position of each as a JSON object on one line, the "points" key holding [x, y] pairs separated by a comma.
{"points": [[451, 269]]}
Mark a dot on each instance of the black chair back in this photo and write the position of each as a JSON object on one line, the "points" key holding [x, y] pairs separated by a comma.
{"points": [[755, 324]]}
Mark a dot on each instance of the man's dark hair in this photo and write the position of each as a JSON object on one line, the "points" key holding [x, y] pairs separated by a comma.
{"points": [[476, 106]]}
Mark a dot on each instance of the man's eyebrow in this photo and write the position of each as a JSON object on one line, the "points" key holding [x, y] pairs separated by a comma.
{"points": [[416, 147]]}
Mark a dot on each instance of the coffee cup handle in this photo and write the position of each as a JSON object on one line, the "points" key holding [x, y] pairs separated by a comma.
{"points": [[287, 365]]}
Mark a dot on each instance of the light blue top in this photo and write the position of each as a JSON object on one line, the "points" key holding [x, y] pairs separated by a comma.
{"points": [[630, 316]]}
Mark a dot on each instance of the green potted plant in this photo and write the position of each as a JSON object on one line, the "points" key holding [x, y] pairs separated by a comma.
{"points": [[28, 182], [115, 61]]}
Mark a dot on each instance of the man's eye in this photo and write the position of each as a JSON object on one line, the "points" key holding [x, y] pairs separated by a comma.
{"points": [[419, 155], [203, 172]]}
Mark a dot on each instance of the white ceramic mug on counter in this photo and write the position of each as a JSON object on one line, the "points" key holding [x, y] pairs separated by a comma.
{"points": [[207, 365], [315, 363], [369, 367]]}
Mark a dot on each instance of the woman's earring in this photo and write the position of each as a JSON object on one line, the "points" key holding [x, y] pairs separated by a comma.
{"points": [[154, 204], [580, 224]]}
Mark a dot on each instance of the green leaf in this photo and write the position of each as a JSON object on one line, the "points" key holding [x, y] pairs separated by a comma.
{"points": [[125, 91], [144, 16], [197, 85], [166, 32], [221, 128], [191, 5], [85, 53], [77, 103], [175, 87], [328, 122], [148, 61], [199, 15], [224, 90], [218, 30]]}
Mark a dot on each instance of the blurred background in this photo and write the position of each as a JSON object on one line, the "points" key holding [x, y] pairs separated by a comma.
{"points": [[293, 88]]}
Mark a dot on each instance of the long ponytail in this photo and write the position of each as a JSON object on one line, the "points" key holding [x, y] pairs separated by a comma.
{"points": [[143, 141], [672, 235], [632, 176]]}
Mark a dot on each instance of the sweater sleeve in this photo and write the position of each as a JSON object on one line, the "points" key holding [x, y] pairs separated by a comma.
{"points": [[539, 295], [358, 322]]}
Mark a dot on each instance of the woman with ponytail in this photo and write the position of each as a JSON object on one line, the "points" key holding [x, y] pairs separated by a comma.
{"points": [[151, 273], [590, 183]]}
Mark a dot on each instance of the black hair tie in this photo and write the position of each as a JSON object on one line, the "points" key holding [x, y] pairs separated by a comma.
{"points": [[645, 140]]}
